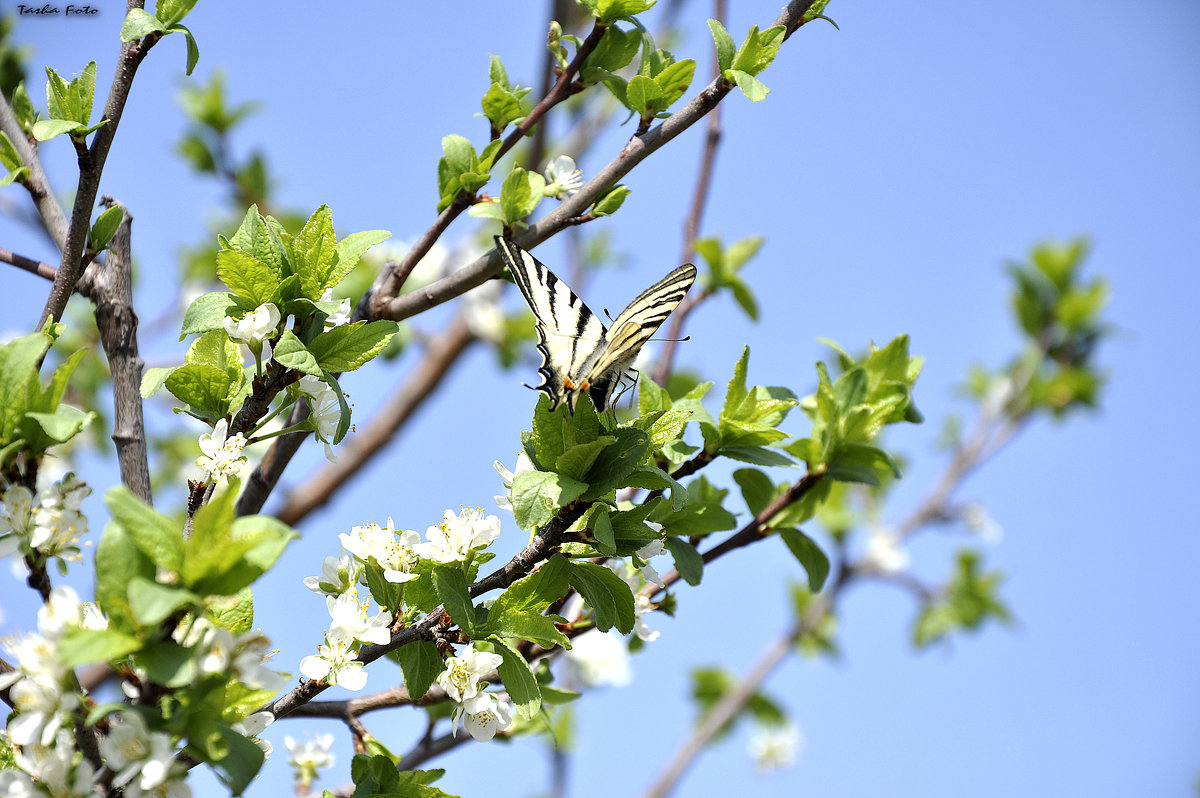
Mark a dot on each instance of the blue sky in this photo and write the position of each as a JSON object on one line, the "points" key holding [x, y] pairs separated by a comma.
{"points": [[896, 165]]}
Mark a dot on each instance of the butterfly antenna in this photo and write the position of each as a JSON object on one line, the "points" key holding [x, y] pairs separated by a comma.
{"points": [[675, 340]]}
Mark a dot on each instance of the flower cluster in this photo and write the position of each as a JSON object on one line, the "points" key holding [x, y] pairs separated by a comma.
{"points": [[458, 536], [221, 453], [49, 528], [45, 703], [218, 651], [336, 660], [308, 759], [482, 713]]}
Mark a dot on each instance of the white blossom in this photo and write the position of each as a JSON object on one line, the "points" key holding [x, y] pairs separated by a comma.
{"points": [[325, 410], [309, 758], [652, 549], [132, 750], [641, 607], [597, 658], [222, 455], [524, 466], [349, 618], [483, 716], [55, 766], [42, 708], [16, 519], [336, 662], [252, 726], [338, 574], [775, 746], [62, 611], [562, 178], [395, 553], [458, 535], [976, 518], [884, 554], [15, 784], [461, 677], [255, 326], [341, 315]]}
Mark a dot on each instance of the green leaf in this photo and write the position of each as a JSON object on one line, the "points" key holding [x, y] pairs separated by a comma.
{"points": [[208, 312], [808, 554], [155, 535], [349, 346], [452, 590], [206, 389], [609, 11], [139, 24], [520, 194], [193, 50], [688, 561], [234, 612], [612, 199], [104, 228], [118, 562], [85, 646], [240, 761], [518, 679], [315, 248], [253, 281], [46, 129], [644, 95], [754, 89], [349, 251], [421, 664], [757, 489], [576, 461], [153, 603], [153, 379], [650, 477], [614, 465], [673, 81], [725, 44], [295, 355], [606, 593], [43, 430], [536, 496]]}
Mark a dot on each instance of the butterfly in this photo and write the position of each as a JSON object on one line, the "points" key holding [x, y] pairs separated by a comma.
{"points": [[579, 355]]}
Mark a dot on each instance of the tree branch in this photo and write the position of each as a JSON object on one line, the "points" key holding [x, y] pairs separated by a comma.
{"points": [[110, 286], [51, 213], [357, 451], [91, 166]]}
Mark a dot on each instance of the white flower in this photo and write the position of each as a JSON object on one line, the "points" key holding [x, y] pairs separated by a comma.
{"points": [[976, 517], [222, 455], [483, 314], [341, 315], [884, 554], [651, 549], [255, 326], [524, 466], [325, 410], [597, 658], [642, 606], [309, 757], [36, 658], [395, 553], [461, 677], [253, 725], [775, 746], [338, 574], [42, 708], [93, 618], [458, 535], [132, 750], [172, 788], [55, 766], [349, 619], [61, 612], [562, 178], [483, 716], [336, 662], [15, 784]]}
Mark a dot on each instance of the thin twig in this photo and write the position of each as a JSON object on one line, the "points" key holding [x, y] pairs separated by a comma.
{"points": [[91, 166], [44, 270]]}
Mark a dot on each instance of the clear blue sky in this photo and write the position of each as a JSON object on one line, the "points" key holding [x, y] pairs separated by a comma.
{"points": [[894, 168]]}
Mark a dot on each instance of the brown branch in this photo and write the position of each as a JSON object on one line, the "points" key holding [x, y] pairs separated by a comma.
{"points": [[356, 451], [109, 284], [53, 219], [37, 267], [91, 166], [730, 704], [634, 152]]}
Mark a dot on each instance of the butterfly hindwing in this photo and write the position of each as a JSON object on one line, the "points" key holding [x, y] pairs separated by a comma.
{"points": [[578, 354]]}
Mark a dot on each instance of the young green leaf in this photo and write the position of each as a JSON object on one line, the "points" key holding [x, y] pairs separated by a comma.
{"points": [[518, 679], [606, 593], [349, 346], [421, 664], [809, 555]]}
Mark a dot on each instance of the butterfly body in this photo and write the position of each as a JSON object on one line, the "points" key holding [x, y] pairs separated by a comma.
{"points": [[579, 354]]}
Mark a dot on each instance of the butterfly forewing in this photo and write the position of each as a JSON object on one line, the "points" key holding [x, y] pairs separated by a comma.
{"points": [[632, 328], [570, 336]]}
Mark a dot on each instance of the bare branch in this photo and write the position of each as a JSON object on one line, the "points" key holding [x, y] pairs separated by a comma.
{"points": [[109, 284], [51, 213]]}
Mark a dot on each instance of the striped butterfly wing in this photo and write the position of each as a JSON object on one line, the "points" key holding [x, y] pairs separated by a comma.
{"points": [[630, 331], [570, 336]]}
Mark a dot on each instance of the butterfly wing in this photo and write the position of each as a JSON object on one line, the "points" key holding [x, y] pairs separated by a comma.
{"points": [[570, 336], [631, 329]]}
